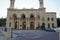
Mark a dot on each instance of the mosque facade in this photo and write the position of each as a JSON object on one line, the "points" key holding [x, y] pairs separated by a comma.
{"points": [[30, 18]]}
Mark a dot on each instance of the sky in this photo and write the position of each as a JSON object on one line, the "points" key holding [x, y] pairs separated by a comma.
{"points": [[50, 5]]}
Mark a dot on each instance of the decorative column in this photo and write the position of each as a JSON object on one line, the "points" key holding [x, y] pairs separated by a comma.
{"points": [[20, 23], [35, 23], [12, 3], [27, 23]]}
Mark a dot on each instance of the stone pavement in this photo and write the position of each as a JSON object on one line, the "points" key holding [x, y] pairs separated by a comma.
{"points": [[34, 35], [2, 35]]}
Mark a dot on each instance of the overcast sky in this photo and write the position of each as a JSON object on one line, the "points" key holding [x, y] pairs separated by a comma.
{"points": [[50, 5]]}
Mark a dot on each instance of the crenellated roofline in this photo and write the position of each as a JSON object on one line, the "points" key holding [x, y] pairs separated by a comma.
{"points": [[25, 9]]}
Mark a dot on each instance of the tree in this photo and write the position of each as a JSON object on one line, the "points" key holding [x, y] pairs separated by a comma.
{"points": [[2, 22], [42, 27], [58, 22]]}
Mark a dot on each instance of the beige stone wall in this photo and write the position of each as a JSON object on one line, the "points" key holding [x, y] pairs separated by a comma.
{"points": [[41, 12], [51, 15]]}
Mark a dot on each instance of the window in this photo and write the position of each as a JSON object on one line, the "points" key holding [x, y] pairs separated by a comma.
{"points": [[10, 24], [52, 19], [48, 19], [53, 25], [48, 25]]}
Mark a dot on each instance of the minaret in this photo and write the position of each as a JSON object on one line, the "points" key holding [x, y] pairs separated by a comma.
{"points": [[41, 4], [12, 3]]}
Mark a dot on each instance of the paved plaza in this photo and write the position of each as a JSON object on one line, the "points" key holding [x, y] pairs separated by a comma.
{"points": [[30, 35], [34, 35]]}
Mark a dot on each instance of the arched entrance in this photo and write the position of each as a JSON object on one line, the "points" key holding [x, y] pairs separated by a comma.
{"points": [[24, 25], [32, 25], [23, 19], [15, 22]]}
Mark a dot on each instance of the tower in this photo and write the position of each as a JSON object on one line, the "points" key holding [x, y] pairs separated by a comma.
{"points": [[12, 3], [41, 3]]}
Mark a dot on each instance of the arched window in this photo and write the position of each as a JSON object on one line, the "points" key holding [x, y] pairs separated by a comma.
{"points": [[48, 19], [23, 16], [10, 24], [53, 25], [48, 25], [52, 19]]}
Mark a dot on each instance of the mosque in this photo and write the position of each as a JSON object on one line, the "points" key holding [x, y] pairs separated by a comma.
{"points": [[30, 18]]}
